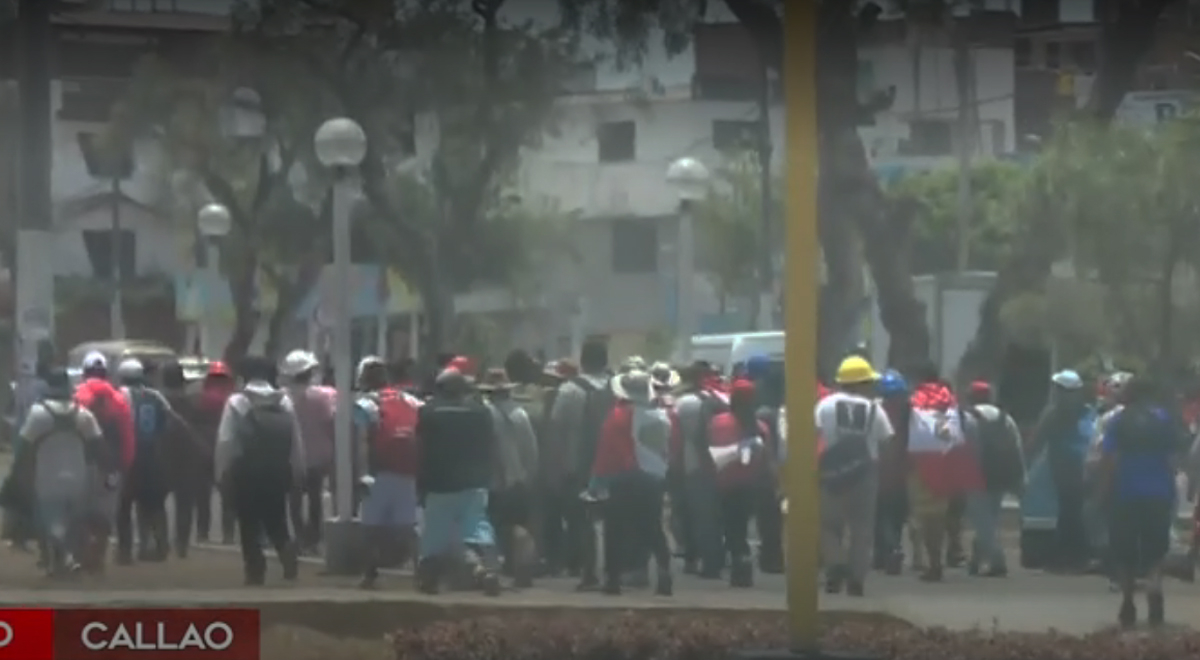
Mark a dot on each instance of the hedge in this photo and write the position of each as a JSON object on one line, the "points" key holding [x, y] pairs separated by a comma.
{"points": [[644, 635]]}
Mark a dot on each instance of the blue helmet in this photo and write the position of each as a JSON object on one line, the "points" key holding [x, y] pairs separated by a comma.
{"points": [[757, 367], [892, 384]]}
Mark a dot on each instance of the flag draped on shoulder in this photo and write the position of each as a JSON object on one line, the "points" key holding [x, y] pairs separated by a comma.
{"points": [[937, 446]]}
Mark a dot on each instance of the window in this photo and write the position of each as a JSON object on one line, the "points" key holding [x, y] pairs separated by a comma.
{"points": [[634, 245], [1022, 54], [929, 137], [617, 141], [1052, 55], [1083, 55], [734, 135], [98, 243]]}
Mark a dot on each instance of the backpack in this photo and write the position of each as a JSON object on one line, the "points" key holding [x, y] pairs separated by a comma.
{"points": [[598, 402], [393, 445], [846, 461], [149, 418], [999, 454], [265, 435], [711, 405]]}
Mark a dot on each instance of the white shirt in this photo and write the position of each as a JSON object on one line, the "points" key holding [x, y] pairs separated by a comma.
{"points": [[842, 413]]}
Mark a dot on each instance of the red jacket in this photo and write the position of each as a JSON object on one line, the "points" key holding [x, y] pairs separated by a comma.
{"points": [[724, 431], [614, 451], [90, 393]]}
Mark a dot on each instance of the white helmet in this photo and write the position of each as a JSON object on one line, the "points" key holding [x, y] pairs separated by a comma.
{"points": [[130, 369], [298, 362], [369, 361]]}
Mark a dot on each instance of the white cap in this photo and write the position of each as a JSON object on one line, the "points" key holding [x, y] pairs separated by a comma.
{"points": [[368, 361], [1067, 379], [94, 360], [130, 368], [298, 362]]}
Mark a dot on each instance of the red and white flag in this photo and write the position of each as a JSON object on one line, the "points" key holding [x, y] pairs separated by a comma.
{"points": [[937, 446]]}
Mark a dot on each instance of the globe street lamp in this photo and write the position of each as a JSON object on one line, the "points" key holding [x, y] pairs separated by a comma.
{"points": [[341, 144], [690, 179], [214, 222]]}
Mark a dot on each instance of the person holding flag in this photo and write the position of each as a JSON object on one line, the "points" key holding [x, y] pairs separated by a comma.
{"points": [[942, 466]]}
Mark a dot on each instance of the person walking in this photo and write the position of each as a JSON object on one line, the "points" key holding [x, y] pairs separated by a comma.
{"points": [[215, 390], [1142, 451], [695, 409], [60, 460], [385, 421], [997, 443], [259, 458], [456, 450], [145, 489], [891, 513], [314, 406], [510, 502], [853, 425]]}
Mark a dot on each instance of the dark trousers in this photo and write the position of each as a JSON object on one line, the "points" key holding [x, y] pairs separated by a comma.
{"points": [[261, 510], [770, 527], [738, 504], [143, 495], [510, 511], [891, 512], [568, 533], [202, 493], [311, 492], [633, 520], [1071, 541]]}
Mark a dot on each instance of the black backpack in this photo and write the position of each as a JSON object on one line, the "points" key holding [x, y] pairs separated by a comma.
{"points": [[999, 455], [265, 435], [598, 402]]}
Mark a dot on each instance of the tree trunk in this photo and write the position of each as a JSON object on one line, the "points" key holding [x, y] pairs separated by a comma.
{"points": [[245, 315], [851, 194], [1166, 302], [290, 293], [1128, 34]]}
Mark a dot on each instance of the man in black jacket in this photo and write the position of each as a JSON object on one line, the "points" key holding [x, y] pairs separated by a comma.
{"points": [[456, 443]]}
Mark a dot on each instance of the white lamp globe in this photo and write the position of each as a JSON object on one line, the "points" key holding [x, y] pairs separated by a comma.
{"points": [[340, 142], [214, 220], [689, 177]]}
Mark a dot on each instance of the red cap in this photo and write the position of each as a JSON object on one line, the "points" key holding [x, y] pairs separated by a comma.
{"points": [[981, 389], [462, 364], [741, 387], [217, 369]]}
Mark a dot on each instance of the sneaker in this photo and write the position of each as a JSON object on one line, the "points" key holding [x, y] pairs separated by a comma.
{"points": [[1154, 603], [1127, 616]]}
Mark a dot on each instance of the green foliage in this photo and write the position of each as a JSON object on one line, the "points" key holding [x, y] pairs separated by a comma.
{"points": [[729, 226], [935, 232]]}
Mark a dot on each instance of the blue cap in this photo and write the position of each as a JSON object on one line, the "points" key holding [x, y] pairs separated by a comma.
{"points": [[892, 384], [757, 366]]}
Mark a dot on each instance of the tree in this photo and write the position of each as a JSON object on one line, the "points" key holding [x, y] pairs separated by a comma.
{"points": [[279, 229], [933, 197], [729, 228], [490, 88], [1127, 34]]}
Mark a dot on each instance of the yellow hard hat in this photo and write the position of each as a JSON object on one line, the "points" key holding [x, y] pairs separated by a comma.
{"points": [[854, 370]]}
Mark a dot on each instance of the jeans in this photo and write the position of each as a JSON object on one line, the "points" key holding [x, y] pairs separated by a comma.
{"points": [[737, 509], [454, 519], [891, 512], [983, 510], [307, 528], [704, 521]]}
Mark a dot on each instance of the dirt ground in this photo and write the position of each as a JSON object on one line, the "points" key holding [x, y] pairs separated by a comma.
{"points": [[295, 643]]}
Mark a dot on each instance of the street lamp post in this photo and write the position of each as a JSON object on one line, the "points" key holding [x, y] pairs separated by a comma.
{"points": [[341, 145], [214, 222], [690, 178]]}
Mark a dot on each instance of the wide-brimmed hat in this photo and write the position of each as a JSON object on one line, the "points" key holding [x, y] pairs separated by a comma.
{"points": [[636, 386], [561, 369], [633, 363], [664, 376], [495, 380]]}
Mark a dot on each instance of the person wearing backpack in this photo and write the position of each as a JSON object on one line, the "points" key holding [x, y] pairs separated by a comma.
{"points": [[695, 409], [997, 442], [111, 409], [510, 502], [314, 404], [853, 425], [145, 488], [259, 458], [386, 420], [580, 408], [62, 449]]}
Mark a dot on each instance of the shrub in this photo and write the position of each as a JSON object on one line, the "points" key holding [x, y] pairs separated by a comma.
{"points": [[658, 635]]}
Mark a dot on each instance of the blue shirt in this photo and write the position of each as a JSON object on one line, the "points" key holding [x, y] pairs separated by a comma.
{"points": [[1145, 473]]}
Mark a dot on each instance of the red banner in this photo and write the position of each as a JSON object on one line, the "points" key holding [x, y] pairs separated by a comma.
{"points": [[109, 634]]}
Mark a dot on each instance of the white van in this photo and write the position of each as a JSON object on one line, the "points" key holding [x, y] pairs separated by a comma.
{"points": [[726, 351]]}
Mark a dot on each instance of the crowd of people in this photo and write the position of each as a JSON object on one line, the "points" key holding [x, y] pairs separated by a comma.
{"points": [[574, 468]]}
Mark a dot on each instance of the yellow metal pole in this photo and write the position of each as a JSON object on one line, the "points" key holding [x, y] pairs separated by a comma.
{"points": [[800, 318]]}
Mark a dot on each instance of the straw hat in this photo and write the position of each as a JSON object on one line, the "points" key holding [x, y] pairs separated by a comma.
{"points": [[635, 386], [633, 363], [495, 380]]}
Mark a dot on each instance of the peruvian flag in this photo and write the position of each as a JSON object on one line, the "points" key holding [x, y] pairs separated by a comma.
{"points": [[937, 446]]}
